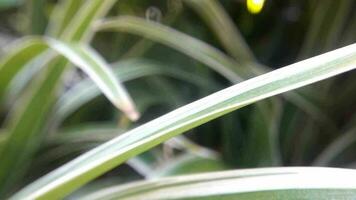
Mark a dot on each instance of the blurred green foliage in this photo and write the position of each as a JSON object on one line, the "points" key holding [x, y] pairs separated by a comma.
{"points": [[272, 133]]}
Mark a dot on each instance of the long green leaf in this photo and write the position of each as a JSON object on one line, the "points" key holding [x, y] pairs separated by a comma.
{"points": [[61, 16], [220, 22], [338, 22], [78, 139], [215, 16], [86, 59], [127, 70], [21, 52], [25, 50], [107, 156], [23, 126], [315, 29], [187, 45], [27, 121], [140, 47], [90, 62], [26, 75], [79, 27], [264, 134], [83, 57], [258, 184], [205, 54], [191, 46]]}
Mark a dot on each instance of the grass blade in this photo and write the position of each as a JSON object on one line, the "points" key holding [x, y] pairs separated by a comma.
{"points": [[97, 69], [61, 17], [315, 30], [261, 147], [202, 52], [184, 43], [83, 57], [336, 148], [107, 156], [23, 51], [26, 75], [216, 17], [79, 28], [23, 126], [219, 21], [214, 14], [86, 90], [265, 183], [26, 122]]}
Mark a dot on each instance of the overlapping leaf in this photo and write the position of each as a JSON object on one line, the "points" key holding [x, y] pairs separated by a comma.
{"points": [[188, 45], [27, 120], [105, 157], [264, 183], [85, 90]]}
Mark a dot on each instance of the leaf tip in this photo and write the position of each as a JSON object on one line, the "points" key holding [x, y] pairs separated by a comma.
{"points": [[133, 115], [131, 112]]}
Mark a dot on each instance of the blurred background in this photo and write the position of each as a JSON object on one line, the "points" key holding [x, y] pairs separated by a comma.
{"points": [[315, 127]]}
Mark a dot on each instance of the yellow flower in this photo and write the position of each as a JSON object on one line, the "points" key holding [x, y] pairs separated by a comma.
{"points": [[255, 6]]}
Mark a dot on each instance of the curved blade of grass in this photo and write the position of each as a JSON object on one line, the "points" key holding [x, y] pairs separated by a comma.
{"points": [[264, 183], [143, 45], [73, 140], [83, 138], [97, 69], [26, 75], [83, 57], [216, 17], [86, 90], [27, 120], [315, 29], [79, 27], [21, 52], [23, 126], [225, 30], [220, 22], [96, 132], [184, 43], [25, 50], [90, 165], [61, 16], [338, 22], [204, 53], [37, 16], [336, 147]]}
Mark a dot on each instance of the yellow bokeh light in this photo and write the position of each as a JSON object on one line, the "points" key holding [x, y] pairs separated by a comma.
{"points": [[255, 6]]}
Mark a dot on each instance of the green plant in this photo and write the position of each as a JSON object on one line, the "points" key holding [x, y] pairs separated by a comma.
{"points": [[33, 73]]}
